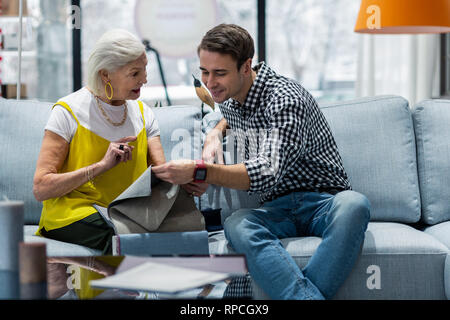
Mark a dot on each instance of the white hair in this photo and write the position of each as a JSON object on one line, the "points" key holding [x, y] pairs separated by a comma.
{"points": [[113, 50]]}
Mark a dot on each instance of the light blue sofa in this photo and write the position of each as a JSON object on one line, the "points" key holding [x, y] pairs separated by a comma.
{"points": [[398, 156]]}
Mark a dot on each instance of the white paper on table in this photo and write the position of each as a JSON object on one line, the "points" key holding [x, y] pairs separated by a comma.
{"points": [[159, 277]]}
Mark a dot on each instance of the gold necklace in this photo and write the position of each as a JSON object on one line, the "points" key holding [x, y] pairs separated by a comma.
{"points": [[116, 124]]}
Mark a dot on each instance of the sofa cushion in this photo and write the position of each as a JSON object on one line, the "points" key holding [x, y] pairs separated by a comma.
{"points": [[431, 121], [440, 231], [22, 129], [376, 140], [57, 248], [396, 262], [408, 263]]}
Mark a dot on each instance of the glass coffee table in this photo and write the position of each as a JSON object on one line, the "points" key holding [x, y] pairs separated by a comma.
{"points": [[133, 277]]}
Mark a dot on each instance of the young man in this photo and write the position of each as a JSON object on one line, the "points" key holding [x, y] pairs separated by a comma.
{"points": [[290, 159]]}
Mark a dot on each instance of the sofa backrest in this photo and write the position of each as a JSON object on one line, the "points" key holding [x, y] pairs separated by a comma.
{"points": [[21, 131], [375, 137], [432, 127], [180, 131]]}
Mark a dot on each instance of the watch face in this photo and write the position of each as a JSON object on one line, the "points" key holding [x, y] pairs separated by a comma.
{"points": [[200, 174]]}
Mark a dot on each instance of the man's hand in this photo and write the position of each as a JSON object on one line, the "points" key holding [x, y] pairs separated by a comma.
{"points": [[176, 171]]}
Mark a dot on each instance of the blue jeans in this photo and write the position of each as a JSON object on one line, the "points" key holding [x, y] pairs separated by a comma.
{"points": [[341, 220]]}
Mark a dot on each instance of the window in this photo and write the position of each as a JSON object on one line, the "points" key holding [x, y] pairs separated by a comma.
{"points": [[178, 70], [47, 43], [312, 41], [46, 52]]}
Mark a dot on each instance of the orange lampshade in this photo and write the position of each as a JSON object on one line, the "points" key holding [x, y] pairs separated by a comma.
{"points": [[403, 16]]}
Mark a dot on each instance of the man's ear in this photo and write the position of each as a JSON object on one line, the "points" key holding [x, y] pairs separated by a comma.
{"points": [[246, 67]]}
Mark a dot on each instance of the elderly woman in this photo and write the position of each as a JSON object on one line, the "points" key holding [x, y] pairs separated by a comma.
{"points": [[97, 141]]}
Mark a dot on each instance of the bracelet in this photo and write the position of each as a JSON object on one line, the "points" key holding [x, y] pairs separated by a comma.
{"points": [[89, 174]]}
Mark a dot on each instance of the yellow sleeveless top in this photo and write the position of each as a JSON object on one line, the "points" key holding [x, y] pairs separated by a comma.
{"points": [[85, 149]]}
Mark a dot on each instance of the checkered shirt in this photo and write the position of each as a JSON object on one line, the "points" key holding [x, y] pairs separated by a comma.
{"points": [[283, 138]]}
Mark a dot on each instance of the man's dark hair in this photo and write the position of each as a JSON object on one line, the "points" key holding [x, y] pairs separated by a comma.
{"points": [[229, 39]]}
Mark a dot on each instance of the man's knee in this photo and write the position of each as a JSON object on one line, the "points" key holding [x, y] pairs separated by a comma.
{"points": [[234, 225], [245, 229], [354, 206], [234, 220]]}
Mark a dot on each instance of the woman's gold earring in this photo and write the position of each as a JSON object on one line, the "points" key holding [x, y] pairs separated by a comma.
{"points": [[106, 91]]}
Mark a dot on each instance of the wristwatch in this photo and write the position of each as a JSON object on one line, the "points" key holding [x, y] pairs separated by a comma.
{"points": [[200, 171]]}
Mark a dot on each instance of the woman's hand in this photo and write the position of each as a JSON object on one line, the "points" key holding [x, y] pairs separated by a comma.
{"points": [[195, 189], [118, 151]]}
